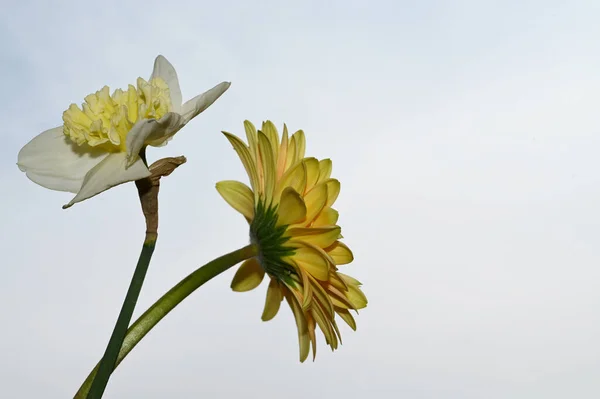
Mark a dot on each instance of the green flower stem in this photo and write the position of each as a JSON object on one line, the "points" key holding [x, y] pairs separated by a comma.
{"points": [[109, 360], [168, 302]]}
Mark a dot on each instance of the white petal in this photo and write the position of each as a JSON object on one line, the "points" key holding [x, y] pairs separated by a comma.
{"points": [[163, 69], [151, 131], [199, 103], [111, 172], [53, 161]]}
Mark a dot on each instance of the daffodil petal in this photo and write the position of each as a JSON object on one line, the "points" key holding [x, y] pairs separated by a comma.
{"points": [[164, 70], [196, 105], [249, 276], [151, 131], [312, 261], [340, 253], [111, 172], [291, 208], [55, 162], [321, 237], [273, 300], [238, 195]]}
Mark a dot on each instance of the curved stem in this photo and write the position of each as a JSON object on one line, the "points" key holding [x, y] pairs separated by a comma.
{"points": [[168, 302], [109, 360]]}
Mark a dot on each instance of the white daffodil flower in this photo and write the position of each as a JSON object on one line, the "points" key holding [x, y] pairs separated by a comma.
{"points": [[98, 145]]}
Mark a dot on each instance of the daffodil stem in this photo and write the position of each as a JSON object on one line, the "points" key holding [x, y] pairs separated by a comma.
{"points": [[109, 360], [168, 302]]}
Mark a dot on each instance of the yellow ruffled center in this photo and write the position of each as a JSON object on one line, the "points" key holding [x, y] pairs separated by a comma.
{"points": [[104, 121]]}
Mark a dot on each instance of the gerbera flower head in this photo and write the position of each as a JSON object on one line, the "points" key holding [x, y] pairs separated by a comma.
{"points": [[289, 209]]}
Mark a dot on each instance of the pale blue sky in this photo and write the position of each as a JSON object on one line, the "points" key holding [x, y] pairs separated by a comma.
{"points": [[465, 135]]}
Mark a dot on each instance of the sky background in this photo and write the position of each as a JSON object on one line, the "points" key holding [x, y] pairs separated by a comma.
{"points": [[465, 135]]}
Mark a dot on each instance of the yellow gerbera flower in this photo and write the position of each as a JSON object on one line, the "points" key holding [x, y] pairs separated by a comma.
{"points": [[294, 227]]}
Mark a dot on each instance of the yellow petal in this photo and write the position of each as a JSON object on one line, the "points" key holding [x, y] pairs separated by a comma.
{"points": [[291, 208], [340, 302], [336, 329], [347, 317], [249, 275], [246, 158], [239, 196], [311, 333], [301, 324], [325, 325], [282, 155], [311, 261], [290, 157], [252, 138], [325, 167], [294, 177], [322, 298], [333, 190], [307, 290], [269, 129], [300, 145], [327, 217], [357, 297], [315, 201], [336, 280], [353, 293], [321, 237], [273, 300], [268, 165], [311, 165], [350, 280], [338, 299], [340, 253]]}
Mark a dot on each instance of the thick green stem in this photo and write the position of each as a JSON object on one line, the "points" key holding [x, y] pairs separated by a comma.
{"points": [[168, 302], [109, 360]]}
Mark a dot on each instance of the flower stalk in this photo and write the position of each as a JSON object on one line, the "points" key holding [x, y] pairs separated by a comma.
{"points": [[148, 189], [168, 302]]}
